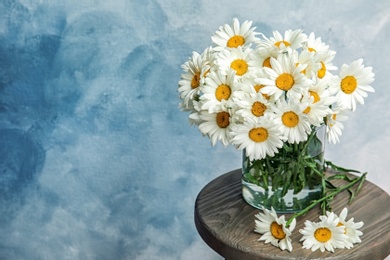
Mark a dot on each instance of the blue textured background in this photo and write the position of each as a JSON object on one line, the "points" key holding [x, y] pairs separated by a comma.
{"points": [[97, 161]]}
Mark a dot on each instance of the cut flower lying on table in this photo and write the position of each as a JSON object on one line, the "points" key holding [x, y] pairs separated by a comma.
{"points": [[330, 232]]}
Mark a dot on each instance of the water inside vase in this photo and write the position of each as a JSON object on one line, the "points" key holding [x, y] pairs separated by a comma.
{"points": [[259, 197]]}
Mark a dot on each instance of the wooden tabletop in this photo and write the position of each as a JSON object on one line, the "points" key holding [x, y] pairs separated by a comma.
{"points": [[226, 223]]}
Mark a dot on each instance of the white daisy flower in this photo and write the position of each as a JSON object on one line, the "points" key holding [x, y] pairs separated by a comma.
{"points": [[259, 138], [208, 57], [194, 117], [190, 82], [315, 45], [294, 123], [250, 86], [235, 35], [218, 91], [274, 229], [307, 60], [284, 77], [251, 105], [325, 64], [216, 126], [321, 93], [323, 235], [234, 59], [353, 84], [318, 99], [351, 229], [291, 40], [261, 57], [334, 127], [316, 111]]}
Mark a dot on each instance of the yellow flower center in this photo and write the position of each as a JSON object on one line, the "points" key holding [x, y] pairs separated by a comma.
{"points": [[267, 63], [302, 71], [258, 134], [290, 119], [223, 92], [277, 44], [323, 234], [348, 84], [285, 81], [316, 99], [341, 225], [240, 66], [321, 72], [195, 80], [277, 230], [315, 96], [235, 41], [258, 109], [257, 89], [206, 72], [223, 119], [307, 110], [311, 49], [334, 116]]}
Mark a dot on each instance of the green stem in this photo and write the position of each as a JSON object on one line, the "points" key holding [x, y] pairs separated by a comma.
{"points": [[330, 195], [312, 134], [323, 206]]}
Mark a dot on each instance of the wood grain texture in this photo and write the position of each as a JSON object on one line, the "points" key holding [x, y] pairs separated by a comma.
{"points": [[226, 223]]}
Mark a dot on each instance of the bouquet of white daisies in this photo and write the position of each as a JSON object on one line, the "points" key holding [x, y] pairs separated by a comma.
{"points": [[258, 93], [268, 95]]}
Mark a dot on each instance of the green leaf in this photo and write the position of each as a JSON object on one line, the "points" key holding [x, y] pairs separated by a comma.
{"points": [[361, 183], [286, 180], [352, 196], [339, 176], [287, 148], [330, 185], [339, 168]]}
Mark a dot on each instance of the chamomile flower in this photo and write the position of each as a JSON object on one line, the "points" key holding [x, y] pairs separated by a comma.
{"points": [[190, 82], [294, 123], [351, 229], [258, 137], [353, 84], [290, 40], [318, 100], [274, 230], [234, 59], [261, 57], [251, 105], [218, 91], [284, 77], [334, 125], [216, 126], [319, 90], [194, 117], [315, 45], [208, 57], [250, 86], [235, 35], [315, 111], [307, 60], [326, 66], [323, 235]]}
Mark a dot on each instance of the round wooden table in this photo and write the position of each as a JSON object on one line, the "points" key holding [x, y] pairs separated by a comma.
{"points": [[226, 223]]}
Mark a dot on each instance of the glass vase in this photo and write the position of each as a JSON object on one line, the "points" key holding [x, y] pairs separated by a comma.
{"points": [[290, 180]]}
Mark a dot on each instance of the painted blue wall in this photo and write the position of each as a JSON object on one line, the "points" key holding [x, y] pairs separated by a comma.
{"points": [[97, 161]]}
